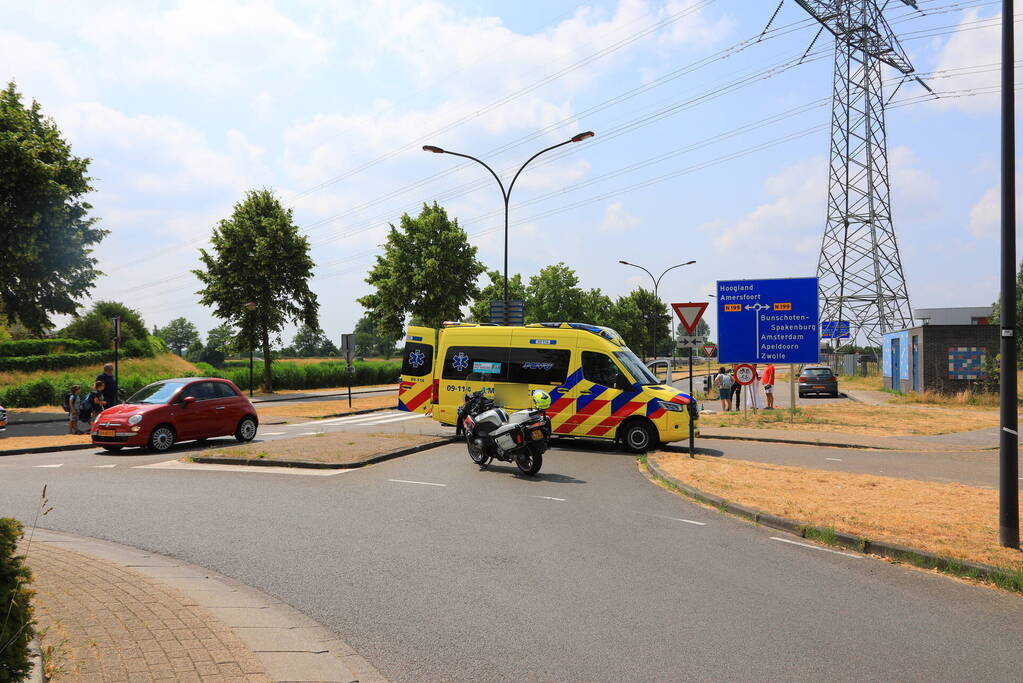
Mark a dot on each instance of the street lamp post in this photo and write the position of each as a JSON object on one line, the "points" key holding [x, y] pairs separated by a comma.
{"points": [[251, 306], [506, 194], [657, 282]]}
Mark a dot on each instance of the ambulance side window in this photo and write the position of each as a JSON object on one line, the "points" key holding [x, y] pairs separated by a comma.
{"points": [[476, 363], [418, 360], [538, 365], [600, 369]]}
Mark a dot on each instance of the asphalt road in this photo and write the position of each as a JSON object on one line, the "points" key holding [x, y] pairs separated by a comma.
{"points": [[435, 570]]}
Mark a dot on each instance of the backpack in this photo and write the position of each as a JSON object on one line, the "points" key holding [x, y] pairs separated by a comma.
{"points": [[67, 403], [726, 381], [85, 407]]}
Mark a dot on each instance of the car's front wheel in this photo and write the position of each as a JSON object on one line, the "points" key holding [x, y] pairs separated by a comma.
{"points": [[246, 430], [638, 436], [161, 439]]}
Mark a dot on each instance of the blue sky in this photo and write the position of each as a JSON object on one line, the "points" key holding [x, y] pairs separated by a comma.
{"points": [[185, 105]]}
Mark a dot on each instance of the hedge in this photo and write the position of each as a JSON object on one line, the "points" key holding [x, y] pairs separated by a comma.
{"points": [[50, 392], [17, 629], [43, 347], [55, 361]]}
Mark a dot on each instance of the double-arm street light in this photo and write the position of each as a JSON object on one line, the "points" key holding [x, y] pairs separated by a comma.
{"points": [[657, 282], [506, 194]]}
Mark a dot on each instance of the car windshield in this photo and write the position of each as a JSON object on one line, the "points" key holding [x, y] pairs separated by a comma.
{"points": [[635, 367], [159, 392], [817, 372]]}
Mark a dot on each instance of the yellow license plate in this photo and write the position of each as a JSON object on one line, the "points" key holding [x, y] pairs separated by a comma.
{"points": [[538, 434], [106, 432], [819, 387]]}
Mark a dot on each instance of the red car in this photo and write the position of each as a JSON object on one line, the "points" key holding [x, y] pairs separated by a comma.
{"points": [[174, 410]]}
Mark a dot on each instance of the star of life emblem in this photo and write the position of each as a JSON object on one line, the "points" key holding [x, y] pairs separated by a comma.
{"points": [[460, 362], [416, 358]]}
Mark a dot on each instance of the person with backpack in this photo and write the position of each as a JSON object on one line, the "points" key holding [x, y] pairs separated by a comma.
{"points": [[92, 405], [109, 385], [723, 381], [71, 402]]}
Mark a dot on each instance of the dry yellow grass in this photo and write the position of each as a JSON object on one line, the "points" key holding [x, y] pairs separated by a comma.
{"points": [[859, 418], [317, 409], [948, 519], [11, 443], [330, 447]]}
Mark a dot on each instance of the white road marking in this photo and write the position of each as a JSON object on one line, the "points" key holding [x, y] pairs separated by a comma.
{"points": [[673, 519], [256, 469], [310, 433], [407, 481], [834, 459], [358, 418], [814, 547], [271, 433], [369, 423], [60, 465], [104, 466], [562, 500]]}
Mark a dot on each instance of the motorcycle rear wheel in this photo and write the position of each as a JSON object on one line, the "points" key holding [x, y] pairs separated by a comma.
{"points": [[529, 462], [477, 454]]}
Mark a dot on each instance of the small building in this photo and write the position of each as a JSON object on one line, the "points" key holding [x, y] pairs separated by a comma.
{"points": [[945, 358], [961, 315]]}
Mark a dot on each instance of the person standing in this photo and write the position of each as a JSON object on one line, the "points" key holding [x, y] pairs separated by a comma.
{"points": [[736, 392], [71, 402], [768, 381], [753, 391], [109, 385], [723, 381], [92, 405]]}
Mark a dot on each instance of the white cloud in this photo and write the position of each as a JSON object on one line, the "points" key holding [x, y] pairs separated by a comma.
{"points": [[616, 219], [696, 28], [976, 47], [986, 214], [38, 67]]}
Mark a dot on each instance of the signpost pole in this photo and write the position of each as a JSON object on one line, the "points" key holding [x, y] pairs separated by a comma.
{"points": [[349, 386], [691, 372], [792, 390], [692, 436]]}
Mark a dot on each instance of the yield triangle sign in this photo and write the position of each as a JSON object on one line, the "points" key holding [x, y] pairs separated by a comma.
{"points": [[708, 350], [690, 314]]}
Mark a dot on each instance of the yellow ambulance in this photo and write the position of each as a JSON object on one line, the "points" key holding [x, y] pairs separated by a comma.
{"points": [[599, 389]]}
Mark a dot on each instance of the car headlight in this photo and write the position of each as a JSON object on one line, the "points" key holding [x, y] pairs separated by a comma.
{"points": [[134, 419], [673, 407]]}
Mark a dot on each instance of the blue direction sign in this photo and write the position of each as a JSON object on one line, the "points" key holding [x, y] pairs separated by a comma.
{"points": [[834, 329], [768, 320]]}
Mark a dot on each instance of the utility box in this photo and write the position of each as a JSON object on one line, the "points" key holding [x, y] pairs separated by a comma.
{"points": [[945, 358]]}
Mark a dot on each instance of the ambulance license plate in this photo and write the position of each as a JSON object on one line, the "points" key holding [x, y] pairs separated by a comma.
{"points": [[106, 432], [538, 434]]}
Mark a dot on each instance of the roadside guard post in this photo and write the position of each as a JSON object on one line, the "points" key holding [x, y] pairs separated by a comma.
{"points": [[769, 321], [348, 348]]}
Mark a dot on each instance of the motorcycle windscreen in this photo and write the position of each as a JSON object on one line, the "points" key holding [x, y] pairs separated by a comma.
{"points": [[416, 386]]}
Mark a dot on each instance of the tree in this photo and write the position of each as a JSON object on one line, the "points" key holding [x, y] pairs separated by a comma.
{"points": [[179, 335], [195, 350], [369, 341], [96, 325], [221, 338], [308, 341], [996, 315], [553, 295], [479, 311], [643, 321], [428, 271], [258, 257], [46, 233]]}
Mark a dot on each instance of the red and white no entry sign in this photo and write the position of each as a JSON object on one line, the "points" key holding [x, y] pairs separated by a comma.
{"points": [[745, 374]]}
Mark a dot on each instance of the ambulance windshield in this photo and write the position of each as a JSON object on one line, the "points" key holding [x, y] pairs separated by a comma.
{"points": [[635, 367]]}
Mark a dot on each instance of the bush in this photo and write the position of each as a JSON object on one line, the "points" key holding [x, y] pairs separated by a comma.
{"points": [[53, 362], [17, 629], [316, 375], [42, 347]]}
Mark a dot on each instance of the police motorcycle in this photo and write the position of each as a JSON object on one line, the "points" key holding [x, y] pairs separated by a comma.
{"points": [[491, 432]]}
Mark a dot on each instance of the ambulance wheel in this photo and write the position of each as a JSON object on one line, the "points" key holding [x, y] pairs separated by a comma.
{"points": [[529, 462], [638, 436]]}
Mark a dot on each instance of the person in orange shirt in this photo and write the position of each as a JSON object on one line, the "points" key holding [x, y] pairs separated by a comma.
{"points": [[768, 380]]}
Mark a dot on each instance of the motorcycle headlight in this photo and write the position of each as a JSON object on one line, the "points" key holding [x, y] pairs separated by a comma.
{"points": [[134, 419], [673, 407]]}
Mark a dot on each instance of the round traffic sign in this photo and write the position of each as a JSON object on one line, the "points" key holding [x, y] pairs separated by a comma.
{"points": [[745, 374]]}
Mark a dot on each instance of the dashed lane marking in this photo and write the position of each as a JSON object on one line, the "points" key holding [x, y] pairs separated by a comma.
{"points": [[104, 466], [310, 433], [271, 433], [375, 421], [251, 469], [407, 481], [673, 519], [60, 465], [814, 547], [562, 500], [834, 459]]}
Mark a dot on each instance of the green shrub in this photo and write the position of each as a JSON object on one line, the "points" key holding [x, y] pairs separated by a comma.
{"points": [[42, 347], [54, 361], [17, 628]]}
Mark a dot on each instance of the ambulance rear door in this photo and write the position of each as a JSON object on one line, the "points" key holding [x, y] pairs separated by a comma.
{"points": [[416, 387]]}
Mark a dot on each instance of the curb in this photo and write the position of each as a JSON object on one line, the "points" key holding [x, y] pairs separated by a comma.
{"points": [[827, 536], [35, 651], [796, 442], [213, 460], [49, 449]]}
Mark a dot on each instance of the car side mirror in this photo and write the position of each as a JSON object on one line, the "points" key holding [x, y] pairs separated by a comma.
{"points": [[188, 400]]}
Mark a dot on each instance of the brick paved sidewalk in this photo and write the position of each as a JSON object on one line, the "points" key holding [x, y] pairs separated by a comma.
{"points": [[104, 622]]}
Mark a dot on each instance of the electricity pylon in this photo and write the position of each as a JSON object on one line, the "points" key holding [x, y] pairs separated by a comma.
{"points": [[859, 269]]}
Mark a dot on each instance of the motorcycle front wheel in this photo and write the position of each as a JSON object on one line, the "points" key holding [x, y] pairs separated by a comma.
{"points": [[529, 462], [477, 453]]}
